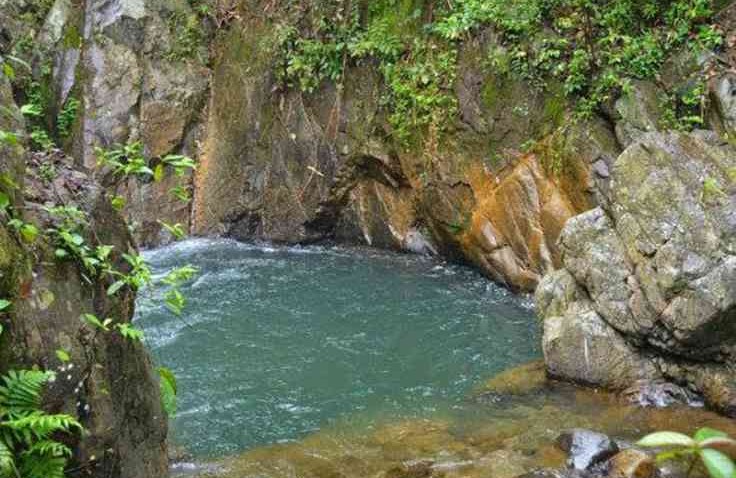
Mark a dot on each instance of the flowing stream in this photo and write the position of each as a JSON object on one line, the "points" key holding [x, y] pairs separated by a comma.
{"points": [[323, 362], [277, 342]]}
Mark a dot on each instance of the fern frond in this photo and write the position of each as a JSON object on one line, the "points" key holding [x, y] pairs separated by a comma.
{"points": [[7, 461], [49, 448], [20, 393], [38, 425], [42, 466]]}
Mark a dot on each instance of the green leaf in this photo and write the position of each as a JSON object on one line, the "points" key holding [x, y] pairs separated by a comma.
{"points": [[176, 230], [168, 391], [718, 464], [723, 444], [4, 304], [29, 232], [9, 71], [158, 173], [7, 462], [705, 433], [116, 286], [95, 322], [130, 332], [665, 439], [31, 110], [4, 201], [63, 355], [118, 203]]}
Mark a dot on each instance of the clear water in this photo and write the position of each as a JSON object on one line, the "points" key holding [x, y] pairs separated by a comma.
{"points": [[277, 343]]}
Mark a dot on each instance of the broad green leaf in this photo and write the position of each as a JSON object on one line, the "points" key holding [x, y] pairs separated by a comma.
{"points": [[118, 203], [63, 355], [718, 464], [705, 433], [725, 445], [29, 232], [168, 375], [116, 286], [664, 439], [130, 332], [94, 321], [4, 201], [168, 391], [4, 304]]}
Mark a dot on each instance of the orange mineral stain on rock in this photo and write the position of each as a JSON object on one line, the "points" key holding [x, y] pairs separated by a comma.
{"points": [[516, 221]]}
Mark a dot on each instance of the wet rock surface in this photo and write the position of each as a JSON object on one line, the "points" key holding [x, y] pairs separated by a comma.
{"points": [[291, 167], [586, 448], [648, 285], [506, 440]]}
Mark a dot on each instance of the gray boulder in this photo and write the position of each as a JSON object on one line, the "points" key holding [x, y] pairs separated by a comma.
{"points": [[648, 285], [586, 448]]}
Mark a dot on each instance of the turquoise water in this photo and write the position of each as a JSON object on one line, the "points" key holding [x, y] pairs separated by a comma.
{"points": [[276, 343]]}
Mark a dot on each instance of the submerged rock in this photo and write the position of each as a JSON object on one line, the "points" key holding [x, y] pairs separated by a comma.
{"points": [[519, 380], [631, 463]]}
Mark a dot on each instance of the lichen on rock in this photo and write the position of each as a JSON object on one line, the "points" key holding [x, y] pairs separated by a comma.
{"points": [[648, 287]]}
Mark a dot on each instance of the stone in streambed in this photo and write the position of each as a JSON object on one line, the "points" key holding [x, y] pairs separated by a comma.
{"points": [[631, 463], [521, 380], [422, 469], [586, 448]]}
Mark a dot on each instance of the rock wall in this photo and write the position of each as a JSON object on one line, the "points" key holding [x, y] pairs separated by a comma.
{"points": [[280, 165], [107, 383], [119, 59], [290, 167]]}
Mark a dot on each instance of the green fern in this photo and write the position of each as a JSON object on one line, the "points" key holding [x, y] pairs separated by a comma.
{"points": [[26, 447], [20, 393], [43, 466], [7, 461]]}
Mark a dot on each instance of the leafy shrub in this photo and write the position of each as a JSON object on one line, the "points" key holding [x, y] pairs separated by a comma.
{"points": [[713, 448], [67, 116], [592, 47]]}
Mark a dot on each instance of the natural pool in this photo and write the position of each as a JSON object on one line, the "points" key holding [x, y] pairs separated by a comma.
{"points": [[329, 362], [277, 343]]}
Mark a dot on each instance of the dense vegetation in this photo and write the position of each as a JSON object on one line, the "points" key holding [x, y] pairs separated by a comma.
{"points": [[593, 48]]}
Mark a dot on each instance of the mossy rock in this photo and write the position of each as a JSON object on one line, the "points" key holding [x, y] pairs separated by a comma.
{"points": [[520, 380]]}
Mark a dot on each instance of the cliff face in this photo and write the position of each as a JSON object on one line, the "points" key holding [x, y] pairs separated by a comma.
{"points": [[280, 165], [104, 380], [286, 166]]}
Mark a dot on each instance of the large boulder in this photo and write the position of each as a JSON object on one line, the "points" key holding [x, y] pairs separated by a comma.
{"points": [[648, 286]]}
